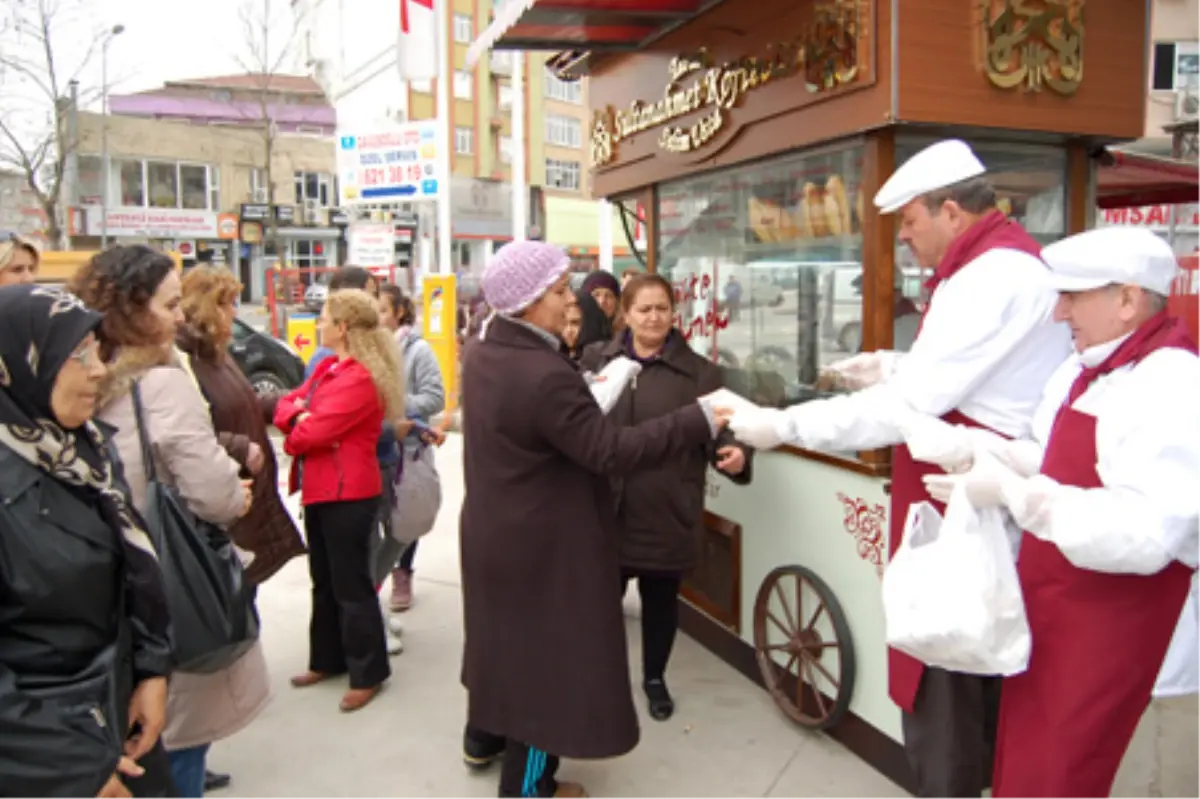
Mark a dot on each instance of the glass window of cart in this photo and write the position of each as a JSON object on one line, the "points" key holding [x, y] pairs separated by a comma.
{"points": [[766, 261], [1031, 187]]}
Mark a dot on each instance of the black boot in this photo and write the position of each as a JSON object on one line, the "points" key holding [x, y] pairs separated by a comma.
{"points": [[215, 782], [481, 748], [662, 706]]}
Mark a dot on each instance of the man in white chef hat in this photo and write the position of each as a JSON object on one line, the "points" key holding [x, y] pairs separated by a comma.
{"points": [[986, 347], [1107, 495]]}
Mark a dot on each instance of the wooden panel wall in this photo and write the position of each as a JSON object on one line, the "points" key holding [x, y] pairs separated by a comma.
{"points": [[776, 117], [941, 77]]}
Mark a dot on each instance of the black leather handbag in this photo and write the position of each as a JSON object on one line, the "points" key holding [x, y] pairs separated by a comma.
{"points": [[213, 621]]}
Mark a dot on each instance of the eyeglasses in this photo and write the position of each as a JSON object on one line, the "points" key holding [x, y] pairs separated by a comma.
{"points": [[86, 356]]}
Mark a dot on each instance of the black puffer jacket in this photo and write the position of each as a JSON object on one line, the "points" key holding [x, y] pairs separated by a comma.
{"points": [[80, 626], [660, 510]]}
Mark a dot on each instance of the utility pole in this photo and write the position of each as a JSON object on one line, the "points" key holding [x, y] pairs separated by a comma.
{"points": [[116, 30]]}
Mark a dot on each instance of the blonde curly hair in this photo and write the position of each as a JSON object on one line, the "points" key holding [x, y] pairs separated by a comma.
{"points": [[371, 345], [206, 289]]}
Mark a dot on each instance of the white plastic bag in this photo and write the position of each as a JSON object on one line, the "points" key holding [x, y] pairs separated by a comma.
{"points": [[950, 594], [417, 497], [607, 386]]}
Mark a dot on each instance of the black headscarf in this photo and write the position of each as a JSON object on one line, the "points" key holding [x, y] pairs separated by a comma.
{"points": [[593, 324], [40, 328]]}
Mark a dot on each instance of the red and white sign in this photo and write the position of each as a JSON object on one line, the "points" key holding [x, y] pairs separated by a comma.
{"points": [[152, 223], [371, 244], [1154, 217], [418, 35]]}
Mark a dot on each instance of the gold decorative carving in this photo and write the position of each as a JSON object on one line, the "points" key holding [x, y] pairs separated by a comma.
{"points": [[826, 52], [1033, 43]]}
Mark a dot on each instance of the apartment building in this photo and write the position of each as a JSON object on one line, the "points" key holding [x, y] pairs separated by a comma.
{"points": [[188, 172], [351, 48]]}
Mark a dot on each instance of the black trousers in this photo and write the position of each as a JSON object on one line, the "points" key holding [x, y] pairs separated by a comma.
{"points": [[950, 737], [660, 617], [527, 771], [346, 632]]}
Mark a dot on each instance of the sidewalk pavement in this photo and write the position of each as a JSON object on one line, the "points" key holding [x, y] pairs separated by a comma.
{"points": [[726, 739]]}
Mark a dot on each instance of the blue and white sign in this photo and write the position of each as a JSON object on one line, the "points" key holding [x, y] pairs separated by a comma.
{"points": [[398, 164]]}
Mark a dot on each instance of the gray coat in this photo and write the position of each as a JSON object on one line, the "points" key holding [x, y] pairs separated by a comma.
{"points": [[544, 660], [426, 393]]}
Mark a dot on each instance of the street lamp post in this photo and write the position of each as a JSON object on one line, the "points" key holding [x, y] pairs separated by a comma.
{"points": [[116, 30]]}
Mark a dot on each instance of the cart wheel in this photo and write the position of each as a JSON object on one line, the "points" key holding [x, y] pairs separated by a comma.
{"points": [[804, 647]]}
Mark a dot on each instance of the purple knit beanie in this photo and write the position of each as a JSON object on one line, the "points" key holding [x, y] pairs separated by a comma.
{"points": [[520, 273]]}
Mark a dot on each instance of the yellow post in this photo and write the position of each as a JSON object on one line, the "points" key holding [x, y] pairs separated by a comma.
{"points": [[301, 333], [438, 322]]}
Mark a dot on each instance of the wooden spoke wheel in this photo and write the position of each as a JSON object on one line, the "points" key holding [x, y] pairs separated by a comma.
{"points": [[804, 647]]}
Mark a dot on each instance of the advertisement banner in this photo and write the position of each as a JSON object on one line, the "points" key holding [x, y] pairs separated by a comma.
{"points": [[153, 223], [371, 244], [398, 164]]}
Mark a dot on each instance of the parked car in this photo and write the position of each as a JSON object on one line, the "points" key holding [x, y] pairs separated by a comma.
{"points": [[314, 297], [271, 365]]}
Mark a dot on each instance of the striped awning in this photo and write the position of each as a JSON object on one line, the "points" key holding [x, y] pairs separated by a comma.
{"points": [[582, 25], [1127, 179]]}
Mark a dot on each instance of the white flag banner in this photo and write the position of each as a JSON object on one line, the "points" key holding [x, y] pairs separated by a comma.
{"points": [[418, 54]]}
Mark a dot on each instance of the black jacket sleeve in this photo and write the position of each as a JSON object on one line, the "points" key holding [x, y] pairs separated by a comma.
{"points": [[145, 598], [710, 381]]}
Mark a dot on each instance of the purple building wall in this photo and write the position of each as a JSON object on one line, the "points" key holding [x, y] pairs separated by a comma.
{"points": [[288, 117]]}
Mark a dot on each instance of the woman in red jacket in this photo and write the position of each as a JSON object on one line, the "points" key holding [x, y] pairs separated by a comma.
{"points": [[332, 424]]}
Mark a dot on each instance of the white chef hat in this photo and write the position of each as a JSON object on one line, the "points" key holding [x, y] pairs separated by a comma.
{"points": [[1112, 256], [939, 165]]}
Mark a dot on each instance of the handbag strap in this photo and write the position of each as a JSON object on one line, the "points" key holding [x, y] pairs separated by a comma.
{"points": [[139, 416]]}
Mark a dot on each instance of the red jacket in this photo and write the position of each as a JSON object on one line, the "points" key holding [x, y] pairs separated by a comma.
{"points": [[333, 449]]}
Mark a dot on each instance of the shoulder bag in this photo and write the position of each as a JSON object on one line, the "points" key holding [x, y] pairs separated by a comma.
{"points": [[213, 622]]}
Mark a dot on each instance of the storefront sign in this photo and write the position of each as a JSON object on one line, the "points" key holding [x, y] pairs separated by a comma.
{"points": [[227, 227], [152, 223], [255, 212], [395, 164], [371, 244], [1155, 217], [252, 232], [1034, 43], [827, 53], [285, 214]]}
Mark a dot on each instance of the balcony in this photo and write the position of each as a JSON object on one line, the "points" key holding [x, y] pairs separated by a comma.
{"points": [[500, 63]]}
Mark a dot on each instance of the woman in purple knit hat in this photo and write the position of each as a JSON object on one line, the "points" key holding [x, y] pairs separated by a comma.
{"points": [[544, 661]]}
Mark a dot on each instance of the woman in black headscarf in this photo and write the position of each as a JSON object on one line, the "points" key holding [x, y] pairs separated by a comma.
{"points": [[84, 647], [586, 325]]}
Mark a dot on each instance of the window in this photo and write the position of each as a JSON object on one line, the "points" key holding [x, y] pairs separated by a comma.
{"points": [[506, 146], [307, 253], [766, 261], [463, 140], [128, 185], [462, 85], [163, 180], [464, 28], [1030, 184], [1175, 67], [562, 174], [562, 90], [506, 96], [314, 186], [258, 185], [91, 179], [563, 131], [421, 86], [214, 188], [193, 185]]}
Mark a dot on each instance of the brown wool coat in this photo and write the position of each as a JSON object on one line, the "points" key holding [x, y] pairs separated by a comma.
{"points": [[544, 659], [239, 417], [660, 508]]}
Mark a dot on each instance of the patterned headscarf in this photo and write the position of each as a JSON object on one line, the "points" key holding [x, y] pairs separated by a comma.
{"points": [[40, 328]]}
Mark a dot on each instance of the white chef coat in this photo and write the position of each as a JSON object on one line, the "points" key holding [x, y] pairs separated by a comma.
{"points": [[1148, 458], [987, 347]]}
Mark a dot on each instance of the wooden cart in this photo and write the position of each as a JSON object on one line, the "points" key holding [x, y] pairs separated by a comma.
{"points": [[754, 134]]}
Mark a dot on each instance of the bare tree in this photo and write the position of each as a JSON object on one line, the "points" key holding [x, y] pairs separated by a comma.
{"points": [[271, 32], [37, 132]]}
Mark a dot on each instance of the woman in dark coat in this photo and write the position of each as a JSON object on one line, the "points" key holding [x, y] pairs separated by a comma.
{"points": [[84, 643], [660, 507], [545, 658], [239, 418], [586, 325]]}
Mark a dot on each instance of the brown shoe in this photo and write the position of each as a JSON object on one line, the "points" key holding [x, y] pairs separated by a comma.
{"points": [[573, 789], [358, 698], [309, 678]]}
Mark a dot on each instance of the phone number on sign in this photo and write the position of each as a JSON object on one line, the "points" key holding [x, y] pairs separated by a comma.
{"points": [[380, 176]]}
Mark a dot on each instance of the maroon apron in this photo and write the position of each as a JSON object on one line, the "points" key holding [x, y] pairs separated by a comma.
{"points": [[1099, 640], [908, 488]]}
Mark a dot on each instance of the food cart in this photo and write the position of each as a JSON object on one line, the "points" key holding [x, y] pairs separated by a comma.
{"points": [[756, 133]]}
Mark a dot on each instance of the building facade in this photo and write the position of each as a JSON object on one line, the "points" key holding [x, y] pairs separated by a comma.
{"points": [[188, 172]]}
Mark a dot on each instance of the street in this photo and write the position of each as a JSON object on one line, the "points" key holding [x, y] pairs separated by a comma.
{"points": [[726, 739]]}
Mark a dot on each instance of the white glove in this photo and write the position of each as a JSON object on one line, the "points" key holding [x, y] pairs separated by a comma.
{"points": [[865, 369], [989, 484], [761, 428], [933, 441]]}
